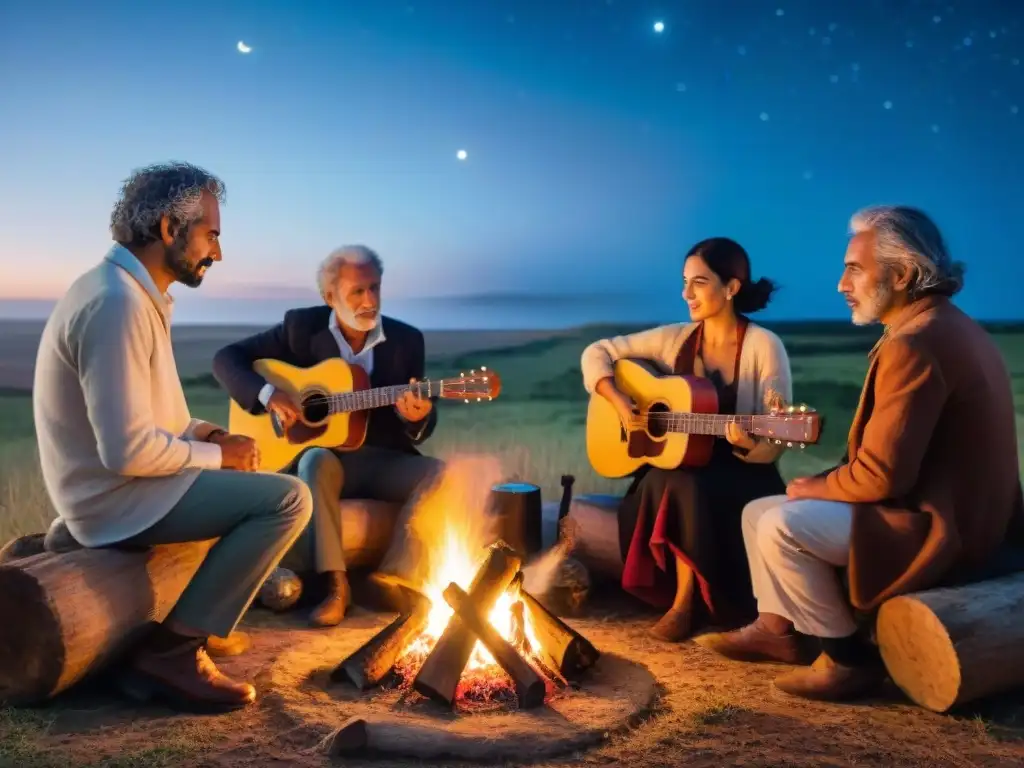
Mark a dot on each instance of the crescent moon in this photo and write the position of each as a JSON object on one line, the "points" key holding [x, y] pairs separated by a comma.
{"points": [[243, 48]]}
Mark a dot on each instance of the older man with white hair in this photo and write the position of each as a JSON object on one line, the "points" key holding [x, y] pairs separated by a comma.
{"points": [[388, 466], [929, 493]]}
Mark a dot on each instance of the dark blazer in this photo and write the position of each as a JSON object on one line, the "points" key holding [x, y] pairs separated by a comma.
{"points": [[304, 339]]}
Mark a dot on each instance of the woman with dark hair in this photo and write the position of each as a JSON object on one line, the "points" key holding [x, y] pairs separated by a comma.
{"points": [[680, 529]]}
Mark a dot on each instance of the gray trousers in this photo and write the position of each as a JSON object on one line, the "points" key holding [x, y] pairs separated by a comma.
{"points": [[795, 549], [368, 473], [256, 516]]}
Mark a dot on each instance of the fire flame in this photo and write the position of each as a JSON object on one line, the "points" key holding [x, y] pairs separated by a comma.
{"points": [[452, 527]]}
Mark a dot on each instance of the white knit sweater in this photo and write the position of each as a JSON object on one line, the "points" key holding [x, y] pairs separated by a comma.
{"points": [[114, 430]]}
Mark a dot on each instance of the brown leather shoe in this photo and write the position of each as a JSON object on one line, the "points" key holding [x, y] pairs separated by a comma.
{"points": [[186, 678], [825, 680], [673, 627], [332, 610], [755, 644], [234, 644]]}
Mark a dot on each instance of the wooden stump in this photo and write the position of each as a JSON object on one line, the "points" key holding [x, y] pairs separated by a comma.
{"points": [[947, 647], [64, 616]]}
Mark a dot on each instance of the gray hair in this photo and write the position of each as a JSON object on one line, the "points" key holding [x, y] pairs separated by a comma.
{"points": [[167, 189], [908, 239], [330, 268]]}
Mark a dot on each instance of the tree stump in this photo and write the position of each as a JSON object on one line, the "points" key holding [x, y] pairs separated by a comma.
{"points": [[947, 647], [65, 616]]}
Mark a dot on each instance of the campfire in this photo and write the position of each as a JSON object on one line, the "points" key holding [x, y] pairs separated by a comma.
{"points": [[473, 631]]}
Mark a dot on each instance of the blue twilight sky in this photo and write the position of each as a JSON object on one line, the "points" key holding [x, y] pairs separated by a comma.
{"points": [[599, 144]]}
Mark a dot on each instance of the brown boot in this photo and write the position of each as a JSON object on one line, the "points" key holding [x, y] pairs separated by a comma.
{"points": [[673, 627], [332, 610], [184, 676], [825, 680], [756, 644]]}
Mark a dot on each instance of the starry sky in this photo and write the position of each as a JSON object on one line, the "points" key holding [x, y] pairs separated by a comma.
{"points": [[602, 138]]}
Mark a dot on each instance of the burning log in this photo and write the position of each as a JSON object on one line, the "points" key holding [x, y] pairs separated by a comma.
{"points": [[439, 675], [368, 665], [529, 686], [562, 648]]}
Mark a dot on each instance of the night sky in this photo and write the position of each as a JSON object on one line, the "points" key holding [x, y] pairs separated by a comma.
{"points": [[602, 138]]}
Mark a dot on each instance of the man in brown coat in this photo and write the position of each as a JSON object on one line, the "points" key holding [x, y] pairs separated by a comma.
{"points": [[930, 491]]}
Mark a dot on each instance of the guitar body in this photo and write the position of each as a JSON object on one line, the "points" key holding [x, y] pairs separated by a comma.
{"points": [[308, 386], [613, 453]]}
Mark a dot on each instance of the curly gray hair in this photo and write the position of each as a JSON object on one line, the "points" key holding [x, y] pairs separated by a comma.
{"points": [[166, 189], [330, 268], [908, 239]]}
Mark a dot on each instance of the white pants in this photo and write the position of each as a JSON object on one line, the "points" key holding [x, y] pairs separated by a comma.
{"points": [[794, 549]]}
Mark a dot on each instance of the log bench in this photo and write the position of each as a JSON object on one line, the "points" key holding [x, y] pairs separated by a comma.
{"points": [[67, 612]]}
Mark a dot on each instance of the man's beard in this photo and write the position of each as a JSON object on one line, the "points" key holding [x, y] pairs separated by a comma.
{"points": [[177, 262], [870, 309], [354, 321]]}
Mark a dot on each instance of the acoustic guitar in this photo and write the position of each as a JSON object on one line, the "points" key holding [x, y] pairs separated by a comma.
{"points": [[677, 422], [335, 399]]}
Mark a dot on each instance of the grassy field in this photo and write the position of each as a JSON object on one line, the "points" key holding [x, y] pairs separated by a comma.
{"points": [[537, 425]]}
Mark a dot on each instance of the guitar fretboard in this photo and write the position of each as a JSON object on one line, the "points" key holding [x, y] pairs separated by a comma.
{"points": [[365, 399], [713, 423]]}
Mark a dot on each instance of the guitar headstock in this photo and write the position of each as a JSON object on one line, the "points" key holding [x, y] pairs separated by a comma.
{"points": [[475, 385], [796, 426]]}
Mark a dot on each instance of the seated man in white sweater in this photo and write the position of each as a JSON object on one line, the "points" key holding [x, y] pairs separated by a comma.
{"points": [[124, 462]]}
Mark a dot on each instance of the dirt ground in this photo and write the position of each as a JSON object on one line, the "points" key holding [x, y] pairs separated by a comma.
{"points": [[707, 712]]}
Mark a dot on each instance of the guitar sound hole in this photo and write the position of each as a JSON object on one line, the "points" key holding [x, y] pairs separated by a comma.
{"points": [[314, 407], [657, 425]]}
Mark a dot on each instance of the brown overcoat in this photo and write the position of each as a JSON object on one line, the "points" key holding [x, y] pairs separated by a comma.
{"points": [[932, 471]]}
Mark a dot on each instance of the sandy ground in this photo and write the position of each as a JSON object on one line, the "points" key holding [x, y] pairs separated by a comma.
{"points": [[195, 346], [708, 713]]}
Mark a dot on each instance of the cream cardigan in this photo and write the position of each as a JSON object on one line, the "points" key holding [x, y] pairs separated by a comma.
{"points": [[764, 365]]}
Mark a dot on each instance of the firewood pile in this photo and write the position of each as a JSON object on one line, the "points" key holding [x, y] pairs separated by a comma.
{"points": [[543, 651]]}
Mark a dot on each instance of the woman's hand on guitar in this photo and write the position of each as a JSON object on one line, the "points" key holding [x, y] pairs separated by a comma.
{"points": [[240, 453], [282, 406], [738, 436], [623, 403]]}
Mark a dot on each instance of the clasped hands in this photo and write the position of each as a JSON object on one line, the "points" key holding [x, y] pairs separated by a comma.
{"points": [[238, 452]]}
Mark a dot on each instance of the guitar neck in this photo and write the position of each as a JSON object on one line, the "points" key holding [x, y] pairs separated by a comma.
{"points": [[379, 397], [711, 423]]}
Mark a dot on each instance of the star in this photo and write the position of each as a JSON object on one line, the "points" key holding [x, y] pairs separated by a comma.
{"points": [[808, 175], [780, 12], [681, 87], [242, 47], [462, 154], [764, 117], [659, 27], [887, 104], [1014, 109], [833, 78], [935, 128]]}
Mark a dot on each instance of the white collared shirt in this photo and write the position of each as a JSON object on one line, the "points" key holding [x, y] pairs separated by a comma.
{"points": [[363, 358]]}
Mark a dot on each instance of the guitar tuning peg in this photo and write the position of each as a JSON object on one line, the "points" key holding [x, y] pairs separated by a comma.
{"points": [[467, 399], [803, 409], [789, 409], [789, 445], [802, 446], [479, 399], [483, 368], [462, 374]]}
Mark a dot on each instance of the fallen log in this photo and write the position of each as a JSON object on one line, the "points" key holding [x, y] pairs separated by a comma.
{"points": [[369, 664], [529, 686], [65, 616], [947, 647], [562, 648], [438, 677], [402, 738]]}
